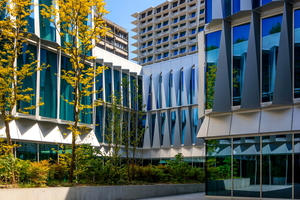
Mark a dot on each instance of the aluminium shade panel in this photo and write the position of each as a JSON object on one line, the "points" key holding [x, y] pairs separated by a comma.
{"points": [[222, 93], [164, 90], [147, 138], [188, 131], [219, 125], [283, 93], [154, 92], [245, 123], [167, 136], [157, 134]]}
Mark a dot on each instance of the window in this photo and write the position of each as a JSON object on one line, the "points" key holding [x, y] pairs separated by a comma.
{"points": [[165, 30], [159, 25], [182, 17], [143, 15], [47, 29], [182, 34], [149, 28], [182, 25], [181, 9], [183, 125], [149, 12], [165, 7], [263, 2], [158, 10], [165, 14], [165, 23], [182, 1], [174, 27], [240, 46], [149, 20], [48, 84], [144, 60], [201, 28], [271, 28], [193, 14], [150, 58], [236, 6], [108, 84], [201, 11], [175, 20], [149, 43], [166, 39], [193, 31], [175, 4], [143, 45], [159, 41], [182, 50], [166, 54], [158, 56], [143, 30], [175, 36], [175, 52], [166, 45], [193, 48], [208, 13], [149, 50], [149, 35]]}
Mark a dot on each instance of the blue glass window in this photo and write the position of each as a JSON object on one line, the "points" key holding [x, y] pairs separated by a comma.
{"points": [[166, 38], [183, 125], [172, 125], [159, 41], [99, 123], [182, 50], [165, 23], [175, 20], [108, 84], [208, 11], [169, 101], [133, 92], [86, 115], [212, 55], [47, 29], [125, 90], [149, 99], [158, 56], [193, 14], [193, 31], [201, 28], [271, 28], [159, 95], [117, 83], [180, 94], [226, 8], [182, 34], [29, 82], [176, 36], [236, 6], [150, 58], [163, 124], [48, 84], [149, 43], [297, 54], [149, 28], [263, 2], [175, 52], [30, 21], [193, 48], [240, 46], [192, 87], [66, 92], [159, 25], [166, 54], [182, 17]]}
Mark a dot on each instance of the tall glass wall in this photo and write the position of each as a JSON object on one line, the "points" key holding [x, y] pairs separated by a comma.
{"points": [[169, 101], [29, 82], [212, 56], [194, 118], [297, 54], [183, 125], [30, 21], [236, 7], [108, 84], [218, 167], [47, 29], [125, 91], [99, 85], [191, 99], [172, 126], [208, 11], [271, 28], [48, 84], [117, 83], [254, 167], [153, 118], [240, 46], [99, 123], [66, 92], [27, 151], [163, 124]]}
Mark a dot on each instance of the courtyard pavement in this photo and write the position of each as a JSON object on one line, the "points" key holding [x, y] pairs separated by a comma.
{"points": [[193, 196]]}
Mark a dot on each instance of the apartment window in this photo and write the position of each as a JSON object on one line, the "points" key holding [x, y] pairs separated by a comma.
{"points": [[174, 43], [182, 1], [166, 45], [48, 84], [193, 31], [165, 14], [150, 50], [143, 36], [175, 52], [166, 30], [181, 25], [271, 28], [297, 54], [201, 11], [143, 15], [158, 56], [144, 60], [150, 34], [159, 41], [149, 20], [149, 43], [144, 51], [149, 28], [175, 4], [201, 28], [201, 19], [158, 32], [182, 41], [143, 30], [182, 34], [150, 58], [158, 17], [165, 23], [182, 17], [166, 39], [175, 36], [143, 45], [175, 20], [174, 27], [175, 11], [193, 48], [181, 9], [149, 12], [157, 48], [193, 14], [158, 10], [166, 54], [159, 25], [165, 7]]}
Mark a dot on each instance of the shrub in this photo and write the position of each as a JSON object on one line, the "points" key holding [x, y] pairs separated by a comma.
{"points": [[38, 172]]}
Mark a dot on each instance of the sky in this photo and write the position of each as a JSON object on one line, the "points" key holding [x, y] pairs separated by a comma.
{"points": [[121, 11]]}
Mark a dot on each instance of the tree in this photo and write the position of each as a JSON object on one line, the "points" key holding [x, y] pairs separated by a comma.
{"points": [[14, 16], [125, 129], [276, 28], [80, 25]]}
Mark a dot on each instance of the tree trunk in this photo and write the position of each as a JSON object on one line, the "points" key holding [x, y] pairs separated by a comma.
{"points": [[8, 138], [71, 175]]}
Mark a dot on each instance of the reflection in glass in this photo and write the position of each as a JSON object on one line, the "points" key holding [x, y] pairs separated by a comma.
{"points": [[236, 6], [212, 55], [240, 46], [163, 124], [47, 29], [117, 83], [159, 97], [218, 167], [133, 95], [66, 92], [208, 11], [99, 85], [271, 28], [277, 166], [48, 151], [99, 123], [29, 82], [108, 84], [152, 127], [183, 125], [297, 54], [48, 84], [149, 100], [246, 169], [125, 90], [263, 2], [191, 99], [297, 166], [27, 151], [169, 101], [172, 125]]}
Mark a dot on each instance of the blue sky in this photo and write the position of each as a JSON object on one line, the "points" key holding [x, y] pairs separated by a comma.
{"points": [[121, 11]]}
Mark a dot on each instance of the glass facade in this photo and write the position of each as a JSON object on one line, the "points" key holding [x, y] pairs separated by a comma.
{"points": [[48, 151], [240, 46], [183, 125], [27, 151], [254, 166], [99, 123], [66, 92], [47, 29], [108, 84], [271, 28], [117, 83], [48, 84], [99, 85], [194, 118], [172, 125], [29, 82], [263, 2], [125, 91], [208, 11], [212, 56], [236, 6], [30, 21], [193, 82], [153, 118], [297, 54], [163, 124]]}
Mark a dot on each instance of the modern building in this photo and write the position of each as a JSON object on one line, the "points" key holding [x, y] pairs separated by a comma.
{"points": [[249, 98], [167, 48], [167, 31], [117, 41]]}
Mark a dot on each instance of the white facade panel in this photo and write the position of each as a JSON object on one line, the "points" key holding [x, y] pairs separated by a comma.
{"points": [[245, 123]]}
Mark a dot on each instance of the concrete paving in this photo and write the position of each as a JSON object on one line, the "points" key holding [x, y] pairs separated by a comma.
{"points": [[193, 196]]}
